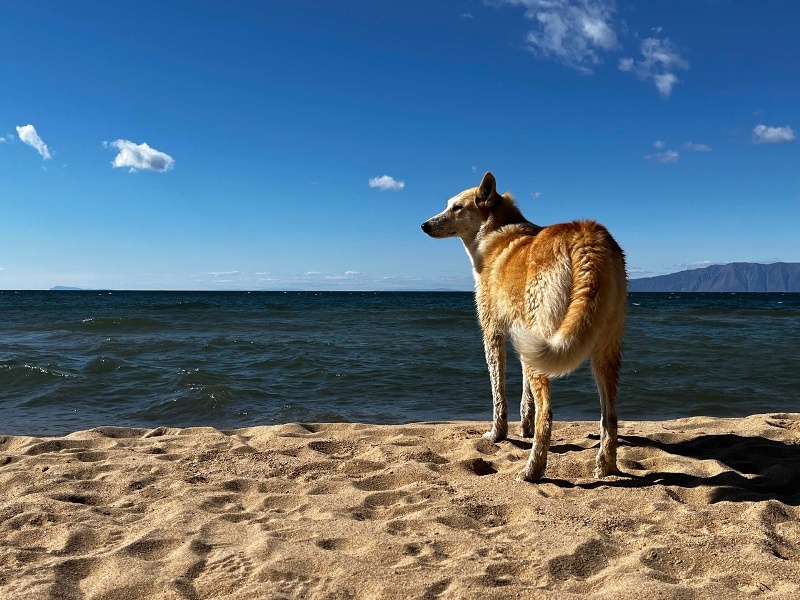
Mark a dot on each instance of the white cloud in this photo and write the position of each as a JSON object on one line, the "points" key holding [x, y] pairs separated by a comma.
{"points": [[6, 139], [667, 157], [697, 265], [320, 276], [660, 58], [536, 195], [385, 182], [763, 134], [222, 273], [139, 157], [664, 83], [573, 32], [27, 135], [658, 144], [466, 15], [636, 273], [696, 147]]}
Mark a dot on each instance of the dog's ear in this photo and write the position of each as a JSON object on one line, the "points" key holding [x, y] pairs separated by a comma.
{"points": [[487, 191]]}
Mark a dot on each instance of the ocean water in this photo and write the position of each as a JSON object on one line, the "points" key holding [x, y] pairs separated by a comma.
{"points": [[72, 360]]}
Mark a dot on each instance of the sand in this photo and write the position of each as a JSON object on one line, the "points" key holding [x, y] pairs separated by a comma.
{"points": [[708, 509]]}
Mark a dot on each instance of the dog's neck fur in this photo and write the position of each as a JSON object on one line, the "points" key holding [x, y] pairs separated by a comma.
{"points": [[504, 218]]}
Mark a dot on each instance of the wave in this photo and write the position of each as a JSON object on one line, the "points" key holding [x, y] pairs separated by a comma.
{"points": [[102, 364], [30, 373], [117, 323]]}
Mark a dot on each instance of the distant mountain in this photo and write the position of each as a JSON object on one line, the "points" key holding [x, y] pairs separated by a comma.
{"points": [[733, 277], [61, 288]]}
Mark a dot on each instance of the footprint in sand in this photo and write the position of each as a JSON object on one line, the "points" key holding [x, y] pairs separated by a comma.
{"points": [[589, 558], [503, 573], [334, 544], [437, 589], [671, 565], [150, 549], [236, 565], [475, 517], [478, 466], [222, 573], [333, 449]]}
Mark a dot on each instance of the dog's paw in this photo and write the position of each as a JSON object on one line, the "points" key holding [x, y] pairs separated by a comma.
{"points": [[601, 471], [495, 436], [523, 475]]}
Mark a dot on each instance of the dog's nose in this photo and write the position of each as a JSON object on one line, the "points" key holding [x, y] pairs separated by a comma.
{"points": [[426, 227]]}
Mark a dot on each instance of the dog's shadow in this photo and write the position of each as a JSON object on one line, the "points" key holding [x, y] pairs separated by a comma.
{"points": [[761, 469]]}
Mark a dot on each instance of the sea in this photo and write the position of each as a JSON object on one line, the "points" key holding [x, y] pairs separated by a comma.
{"points": [[73, 360]]}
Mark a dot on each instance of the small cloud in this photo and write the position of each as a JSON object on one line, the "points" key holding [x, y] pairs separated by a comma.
{"points": [[763, 134], [658, 144], [696, 147], [535, 195], [6, 139], [27, 135], [385, 182], [697, 265], [313, 273], [665, 158], [474, 169], [664, 83], [635, 273], [466, 15], [352, 273], [221, 273], [572, 33], [660, 58], [625, 65], [139, 157]]}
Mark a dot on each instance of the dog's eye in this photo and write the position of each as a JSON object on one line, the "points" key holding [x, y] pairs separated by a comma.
{"points": [[457, 207]]}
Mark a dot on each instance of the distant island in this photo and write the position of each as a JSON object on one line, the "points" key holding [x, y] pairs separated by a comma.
{"points": [[733, 277], [62, 288]]}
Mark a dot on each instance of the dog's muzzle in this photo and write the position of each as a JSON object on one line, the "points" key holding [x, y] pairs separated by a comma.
{"points": [[426, 227]]}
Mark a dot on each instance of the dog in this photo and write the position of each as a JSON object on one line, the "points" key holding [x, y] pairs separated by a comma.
{"points": [[559, 292]]}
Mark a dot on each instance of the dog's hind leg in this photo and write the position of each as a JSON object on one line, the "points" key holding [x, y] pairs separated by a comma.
{"points": [[495, 348], [526, 405], [606, 366], [537, 461]]}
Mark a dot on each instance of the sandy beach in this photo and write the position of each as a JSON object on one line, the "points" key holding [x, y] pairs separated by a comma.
{"points": [[708, 508]]}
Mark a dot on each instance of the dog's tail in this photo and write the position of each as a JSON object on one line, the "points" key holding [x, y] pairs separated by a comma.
{"points": [[584, 320]]}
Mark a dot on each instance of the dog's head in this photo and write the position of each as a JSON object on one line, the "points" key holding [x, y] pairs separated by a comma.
{"points": [[466, 212]]}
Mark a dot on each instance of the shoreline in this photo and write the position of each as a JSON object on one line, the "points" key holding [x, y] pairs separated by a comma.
{"points": [[708, 509]]}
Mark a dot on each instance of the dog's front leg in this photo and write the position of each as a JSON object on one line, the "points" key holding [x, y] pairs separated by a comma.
{"points": [[494, 345]]}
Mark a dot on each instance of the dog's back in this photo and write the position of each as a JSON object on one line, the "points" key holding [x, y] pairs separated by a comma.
{"points": [[561, 291]]}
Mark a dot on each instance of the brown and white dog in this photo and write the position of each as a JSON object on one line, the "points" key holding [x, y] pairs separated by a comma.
{"points": [[560, 292]]}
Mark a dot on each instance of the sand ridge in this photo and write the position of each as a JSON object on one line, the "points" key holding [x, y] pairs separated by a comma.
{"points": [[708, 509]]}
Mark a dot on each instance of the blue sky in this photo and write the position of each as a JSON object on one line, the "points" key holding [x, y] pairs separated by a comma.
{"points": [[297, 144]]}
